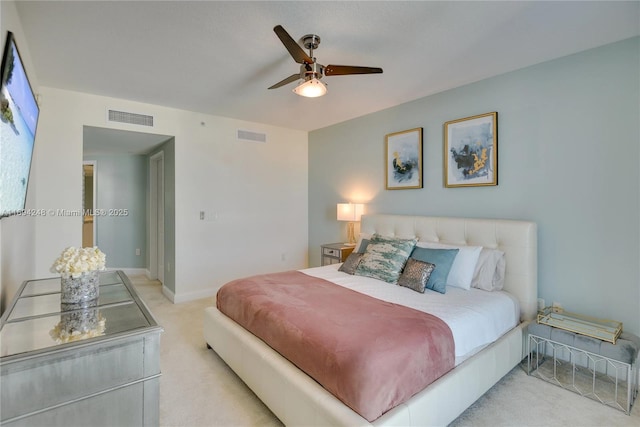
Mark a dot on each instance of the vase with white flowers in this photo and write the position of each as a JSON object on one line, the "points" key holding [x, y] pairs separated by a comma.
{"points": [[78, 269]]}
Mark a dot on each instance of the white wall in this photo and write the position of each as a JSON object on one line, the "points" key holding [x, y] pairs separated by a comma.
{"points": [[256, 192], [568, 143], [17, 234]]}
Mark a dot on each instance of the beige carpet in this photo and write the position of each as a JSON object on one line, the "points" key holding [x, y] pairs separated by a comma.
{"points": [[198, 389]]}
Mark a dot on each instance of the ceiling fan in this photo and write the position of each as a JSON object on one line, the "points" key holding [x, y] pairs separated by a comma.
{"points": [[311, 71]]}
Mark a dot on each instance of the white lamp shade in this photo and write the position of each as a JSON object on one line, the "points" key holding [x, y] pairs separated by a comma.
{"points": [[350, 211], [311, 88]]}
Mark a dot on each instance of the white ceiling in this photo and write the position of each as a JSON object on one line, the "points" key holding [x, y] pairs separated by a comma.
{"points": [[220, 57], [103, 141]]}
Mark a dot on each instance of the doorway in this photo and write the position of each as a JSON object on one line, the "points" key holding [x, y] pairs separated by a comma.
{"points": [[123, 183]]}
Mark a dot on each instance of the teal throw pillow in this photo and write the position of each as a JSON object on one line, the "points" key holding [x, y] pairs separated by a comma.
{"points": [[363, 246], [443, 259], [385, 258]]}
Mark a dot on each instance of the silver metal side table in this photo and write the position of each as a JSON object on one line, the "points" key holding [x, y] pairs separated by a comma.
{"points": [[108, 376], [334, 253], [591, 367]]}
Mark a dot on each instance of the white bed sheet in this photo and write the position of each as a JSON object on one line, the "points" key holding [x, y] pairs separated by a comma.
{"points": [[476, 317]]}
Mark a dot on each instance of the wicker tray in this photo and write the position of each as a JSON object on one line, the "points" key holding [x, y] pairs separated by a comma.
{"points": [[602, 329]]}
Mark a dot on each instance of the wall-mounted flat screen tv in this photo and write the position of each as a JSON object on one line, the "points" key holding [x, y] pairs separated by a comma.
{"points": [[18, 121]]}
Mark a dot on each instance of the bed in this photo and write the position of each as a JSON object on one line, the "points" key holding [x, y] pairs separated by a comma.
{"points": [[296, 399]]}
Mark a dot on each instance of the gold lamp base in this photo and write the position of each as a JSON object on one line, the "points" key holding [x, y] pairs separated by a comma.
{"points": [[351, 235]]}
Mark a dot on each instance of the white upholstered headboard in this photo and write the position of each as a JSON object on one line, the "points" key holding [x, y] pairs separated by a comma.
{"points": [[517, 239]]}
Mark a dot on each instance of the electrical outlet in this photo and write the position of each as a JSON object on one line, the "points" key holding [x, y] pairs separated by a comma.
{"points": [[209, 216], [541, 305], [137, 251]]}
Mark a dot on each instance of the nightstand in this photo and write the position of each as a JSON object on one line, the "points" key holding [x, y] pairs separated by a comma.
{"points": [[334, 253]]}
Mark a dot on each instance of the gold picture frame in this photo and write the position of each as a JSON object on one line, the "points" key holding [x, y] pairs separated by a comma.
{"points": [[471, 151], [403, 160]]}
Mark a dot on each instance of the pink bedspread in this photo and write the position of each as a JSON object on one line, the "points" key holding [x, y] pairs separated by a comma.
{"points": [[370, 354]]}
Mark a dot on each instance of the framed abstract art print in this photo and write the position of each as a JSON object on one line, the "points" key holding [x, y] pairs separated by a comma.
{"points": [[471, 151], [403, 160]]}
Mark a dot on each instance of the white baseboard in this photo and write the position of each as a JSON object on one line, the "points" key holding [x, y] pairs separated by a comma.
{"points": [[169, 294], [191, 296]]}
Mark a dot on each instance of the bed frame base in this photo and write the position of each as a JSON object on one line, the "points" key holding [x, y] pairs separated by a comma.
{"points": [[296, 399]]}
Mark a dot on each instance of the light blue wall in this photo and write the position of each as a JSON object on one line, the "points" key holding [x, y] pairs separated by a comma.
{"points": [[568, 137], [121, 183]]}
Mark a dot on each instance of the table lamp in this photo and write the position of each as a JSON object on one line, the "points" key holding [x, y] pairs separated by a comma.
{"points": [[350, 212]]}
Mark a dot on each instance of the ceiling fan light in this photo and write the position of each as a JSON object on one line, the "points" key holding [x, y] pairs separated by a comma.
{"points": [[311, 88]]}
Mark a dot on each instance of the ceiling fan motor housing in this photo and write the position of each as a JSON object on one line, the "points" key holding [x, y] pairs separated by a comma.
{"points": [[309, 71]]}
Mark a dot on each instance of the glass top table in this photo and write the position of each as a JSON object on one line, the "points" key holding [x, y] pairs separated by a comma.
{"points": [[36, 321]]}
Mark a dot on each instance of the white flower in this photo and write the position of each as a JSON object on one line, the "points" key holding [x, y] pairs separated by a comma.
{"points": [[72, 262]]}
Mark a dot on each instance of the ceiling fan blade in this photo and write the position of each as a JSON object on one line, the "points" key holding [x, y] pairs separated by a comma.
{"points": [[292, 78], [294, 48], [342, 70]]}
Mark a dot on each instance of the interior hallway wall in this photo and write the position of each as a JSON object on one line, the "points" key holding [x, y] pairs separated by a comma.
{"points": [[255, 195]]}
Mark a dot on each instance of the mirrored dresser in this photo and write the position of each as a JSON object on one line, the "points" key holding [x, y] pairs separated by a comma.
{"points": [[63, 365]]}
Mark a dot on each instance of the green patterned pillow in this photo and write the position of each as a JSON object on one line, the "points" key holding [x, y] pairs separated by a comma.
{"points": [[385, 258]]}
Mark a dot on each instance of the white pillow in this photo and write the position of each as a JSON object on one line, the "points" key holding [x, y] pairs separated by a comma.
{"points": [[464, 265], [489, 274]]}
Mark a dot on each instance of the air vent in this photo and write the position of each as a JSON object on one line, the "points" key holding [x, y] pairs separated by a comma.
{"points": [[131, 118], [247, 135]]}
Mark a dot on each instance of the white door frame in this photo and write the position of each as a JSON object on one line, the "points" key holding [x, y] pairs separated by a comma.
{"points": [[156, 216], [93, 163]]}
